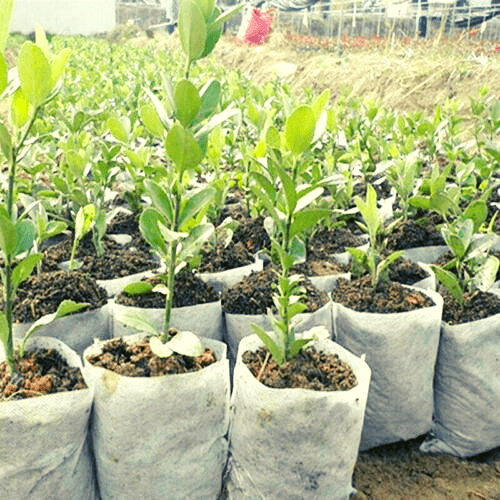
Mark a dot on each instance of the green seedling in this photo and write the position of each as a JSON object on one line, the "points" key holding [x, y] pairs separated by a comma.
{"points": [[85, 220], [371, 260], [472, 267], [39, 74]]}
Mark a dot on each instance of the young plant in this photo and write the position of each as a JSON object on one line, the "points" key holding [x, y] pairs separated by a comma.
{"points": [[290, 210], [471, 266], [39, 74], [174, 225], [85, 220], [371, 260]]}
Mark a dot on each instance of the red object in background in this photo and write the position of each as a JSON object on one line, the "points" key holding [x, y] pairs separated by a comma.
{"points": [[259, 26]]}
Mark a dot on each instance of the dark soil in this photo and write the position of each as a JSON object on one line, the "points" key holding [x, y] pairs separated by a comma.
{"points": [[309, 370], [478, 305], [390, 297], [249, 238], [189, 290], [254, 294], [124, 223], [117, 261], [40, 372], [406, 272], [412, 234], [41, 294], [319, 268], [327, 242], [137, 360]]}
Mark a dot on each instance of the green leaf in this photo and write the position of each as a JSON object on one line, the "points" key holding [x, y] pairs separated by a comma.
{"points": [[450, 282], [299, 129], [192, 29], [7, 236], [277, 353], [307, 219], [160, 110], [273, 139], [24, 268], [137, 321], [35, 74], [161, 200], [4, 329], [4, 73], [148, 223], [6, 9], [186, 343], [58, 64], [296, 308], [228, 14], [84, 221], [441, 204], [320, 102], [41, 40], [5, 142], [195, 204], [120, 128], [151, 120], [477, 211], [486, 275], [187, 102], [19, 109], [418, 201], [182, 147], [25, 236], [192, 244], [210, 95], [138, 288], [214, 31], [308, 198], [296, 347], [207, 7]]}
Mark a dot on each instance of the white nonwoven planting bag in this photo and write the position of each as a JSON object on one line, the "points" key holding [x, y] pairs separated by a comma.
{"points": [[401, 350], [77, 331], [44, 452], [239, 326], [161, 437], [467, 389], [294, 444], [204, 320], [226, 279]]}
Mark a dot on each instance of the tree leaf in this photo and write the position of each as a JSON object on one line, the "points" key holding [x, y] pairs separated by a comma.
{"points": [[58, 64], [277, 353], [119, 126], [35, 74], [25, 236], [159, 348], [161, 201], [192, 29], [195, 204], [148, 223], [19, 108], [299, 129], [182, 147], [4, 73], [6, 9], [151, 120], [210, 95], [137, 321], [187, 102], [160, 110], [486, 275], [137, 288], [24, 269], [450, 282], [5, 143], [192, 244], [7, 236]]}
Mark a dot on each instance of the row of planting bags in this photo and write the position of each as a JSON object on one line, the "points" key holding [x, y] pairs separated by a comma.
{"points": [[152, 440]]}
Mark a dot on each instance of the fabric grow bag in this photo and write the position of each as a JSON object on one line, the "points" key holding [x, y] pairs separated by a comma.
{"points": [[401, 350], [44, 452], [161, 437], [296, 444]]}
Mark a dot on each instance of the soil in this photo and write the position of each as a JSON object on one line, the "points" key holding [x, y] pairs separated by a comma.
{"points": [[254, 294], [478, 305], [40, 372], [117, 261], [325, 243], [406, 272], [189, 290], [41, 294], [411, 234], [249, 238], [309, 370], [389, 297], [137, 360]]}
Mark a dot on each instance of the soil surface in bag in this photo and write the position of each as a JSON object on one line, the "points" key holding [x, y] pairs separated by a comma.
{"points": [[254, 294], [478, 305], [412, 234], [137, 360], [248, 238], [309, 370], [41, 294], [117, 261], [41, 371], [189, 290], [327, 242], [390, 297]]}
